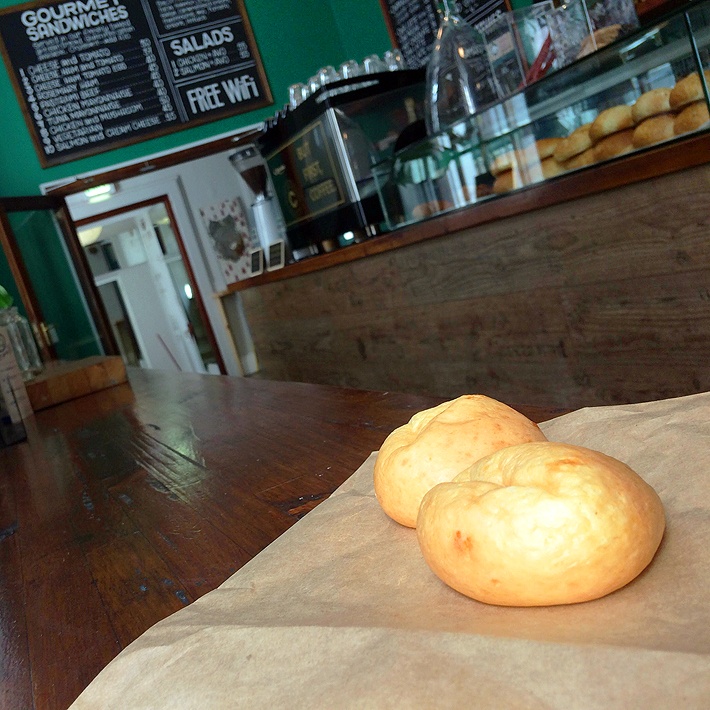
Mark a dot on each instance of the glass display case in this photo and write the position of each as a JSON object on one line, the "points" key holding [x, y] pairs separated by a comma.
{"points": [[643, 90]]}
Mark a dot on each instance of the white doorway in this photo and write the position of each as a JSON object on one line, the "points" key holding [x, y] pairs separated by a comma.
{"points": [[188, 187], [149, 295]]}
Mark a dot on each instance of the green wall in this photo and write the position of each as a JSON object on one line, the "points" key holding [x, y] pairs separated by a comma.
{"points": [[295, 38]]}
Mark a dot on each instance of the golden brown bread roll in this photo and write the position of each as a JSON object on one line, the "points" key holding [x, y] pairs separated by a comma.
{"points": [[506, 181], [650, 104], [523, 159], [653, 130], [575, 143], [503, 162], [688, 90], [600, 38], [540, 524], [611, 120], [691, 118], [427, 209], [437, 444], [580, 161], [550, 168], [614, 145], [545, 147]]}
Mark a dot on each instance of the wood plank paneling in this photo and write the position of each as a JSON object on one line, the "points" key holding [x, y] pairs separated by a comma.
{"points": [[600, 300]]}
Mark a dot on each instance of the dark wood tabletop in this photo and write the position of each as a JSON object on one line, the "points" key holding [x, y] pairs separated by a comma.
{"points": [[125, 505]]}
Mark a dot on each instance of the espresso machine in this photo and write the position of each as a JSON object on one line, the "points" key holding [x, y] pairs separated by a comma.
{"points": [[267, 221], [320, 156]]}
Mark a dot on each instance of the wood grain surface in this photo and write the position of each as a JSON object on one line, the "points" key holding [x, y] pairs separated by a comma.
{"points": [[600, 300], [127, 504]]}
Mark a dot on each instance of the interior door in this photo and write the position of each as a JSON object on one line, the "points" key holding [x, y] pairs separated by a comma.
{"points": [[153, 302], [40, 272]]}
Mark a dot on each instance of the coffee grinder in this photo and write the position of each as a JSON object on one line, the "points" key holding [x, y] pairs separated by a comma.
{"points": [[266, 215]]}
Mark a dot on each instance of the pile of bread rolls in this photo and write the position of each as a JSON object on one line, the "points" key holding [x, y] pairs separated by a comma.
{"points": [[657, 115], [515, 168], [507, 517], [687, 100]]}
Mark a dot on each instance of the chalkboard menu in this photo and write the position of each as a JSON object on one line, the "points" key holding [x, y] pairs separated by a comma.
{"points": [[95, 74], [413, 23]]}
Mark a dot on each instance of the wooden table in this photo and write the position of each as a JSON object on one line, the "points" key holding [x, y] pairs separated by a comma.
{"points": [[127, 504]]}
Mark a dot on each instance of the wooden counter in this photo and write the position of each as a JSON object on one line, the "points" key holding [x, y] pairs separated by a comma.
{"points": [[127, 504], [591, 288]]}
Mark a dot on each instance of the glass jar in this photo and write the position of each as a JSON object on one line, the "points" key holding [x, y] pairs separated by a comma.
{"points": [[23, 342]]}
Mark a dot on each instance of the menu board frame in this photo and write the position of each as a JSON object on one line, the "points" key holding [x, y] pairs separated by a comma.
{"points": [[422, 16], [153, 40]]}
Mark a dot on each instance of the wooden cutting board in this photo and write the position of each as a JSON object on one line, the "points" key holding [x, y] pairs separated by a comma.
{"points": [[65, 380]]}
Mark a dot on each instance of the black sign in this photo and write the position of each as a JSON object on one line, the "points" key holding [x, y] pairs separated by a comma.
{"points": [[256, 262], [413, 24], [95, 74], [305, 175]]}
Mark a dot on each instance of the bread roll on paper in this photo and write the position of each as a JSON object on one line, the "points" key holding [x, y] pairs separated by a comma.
{"points": [[539, 524], [437, 444]]}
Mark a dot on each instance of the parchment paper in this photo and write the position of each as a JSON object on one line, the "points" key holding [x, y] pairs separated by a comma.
{"points": [[342, 611]]}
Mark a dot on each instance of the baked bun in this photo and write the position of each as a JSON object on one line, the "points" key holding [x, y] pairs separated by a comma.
{"points": [[506, 181], [688, 90], [541, 524], [503, 162], [580, 161], [545, 147], [437, 444], [650, 104], [691, 118], [550, 168], [611, 120], [575, 143], [427, 209], [653, 130], [600, 38], [614, 145]]}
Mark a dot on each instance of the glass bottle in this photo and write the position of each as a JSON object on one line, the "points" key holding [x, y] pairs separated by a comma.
{"points": [[459, 79]]}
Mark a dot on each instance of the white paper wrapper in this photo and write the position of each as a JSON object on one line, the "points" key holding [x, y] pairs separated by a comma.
{"points": [[342, 611]]}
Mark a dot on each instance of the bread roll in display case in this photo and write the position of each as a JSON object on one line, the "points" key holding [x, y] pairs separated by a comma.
{"points": [[643, 90]]}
